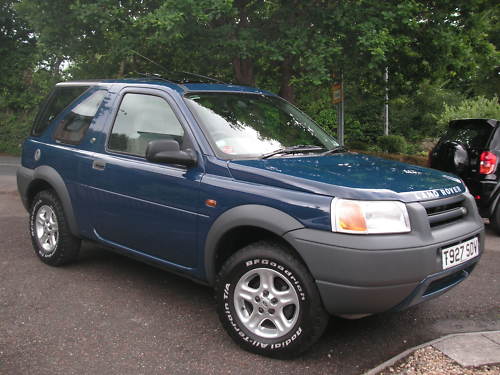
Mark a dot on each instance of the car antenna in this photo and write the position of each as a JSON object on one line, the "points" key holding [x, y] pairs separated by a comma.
{"points": [[174, 73], [205, 77], [149, 60]]}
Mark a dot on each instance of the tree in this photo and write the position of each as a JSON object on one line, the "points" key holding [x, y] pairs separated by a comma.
{"points": [[435, 50], [17, 56]]}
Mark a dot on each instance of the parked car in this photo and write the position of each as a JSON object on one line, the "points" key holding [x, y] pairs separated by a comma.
{"points": [[236, 188], [470, 148]]}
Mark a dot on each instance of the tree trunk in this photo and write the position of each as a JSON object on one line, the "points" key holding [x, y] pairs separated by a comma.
{"points": [[243, 67], [121, 69], [286, 89], [56, 67], [243, 71]]}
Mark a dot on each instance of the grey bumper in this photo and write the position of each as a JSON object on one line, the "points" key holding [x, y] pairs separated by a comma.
{"points": [[24, 179], [367, 274]]}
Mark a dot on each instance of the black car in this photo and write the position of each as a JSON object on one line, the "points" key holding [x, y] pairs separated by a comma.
{"points": [[470, 148]]}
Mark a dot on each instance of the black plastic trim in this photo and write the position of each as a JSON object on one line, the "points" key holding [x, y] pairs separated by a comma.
{"points": [[26, 177], [258, 216]]}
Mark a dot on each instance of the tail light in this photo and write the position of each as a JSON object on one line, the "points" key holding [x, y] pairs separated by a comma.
{"points": [[488, 162]]}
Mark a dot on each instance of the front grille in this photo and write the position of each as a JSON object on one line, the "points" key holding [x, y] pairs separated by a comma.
{"points": [[446, 210]]}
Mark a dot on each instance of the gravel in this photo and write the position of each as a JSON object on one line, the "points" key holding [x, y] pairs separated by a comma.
{"points": [[430, 361]]}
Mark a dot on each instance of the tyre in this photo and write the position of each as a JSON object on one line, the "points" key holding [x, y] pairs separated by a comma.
{"points": [[268, 302], [52, 241], [495, 219]]}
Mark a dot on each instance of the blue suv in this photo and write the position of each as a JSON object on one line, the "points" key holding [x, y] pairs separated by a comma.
{"points": [[236, 188]]}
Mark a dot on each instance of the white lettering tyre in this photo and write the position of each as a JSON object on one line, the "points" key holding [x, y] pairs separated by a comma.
{"points": [[52, 240], [268, 302]]}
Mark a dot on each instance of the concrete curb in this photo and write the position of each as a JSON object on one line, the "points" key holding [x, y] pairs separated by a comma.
{"points": [[407, 352]]}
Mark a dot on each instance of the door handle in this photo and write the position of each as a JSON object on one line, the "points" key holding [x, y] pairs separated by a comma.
{"points": [[99, 165]]}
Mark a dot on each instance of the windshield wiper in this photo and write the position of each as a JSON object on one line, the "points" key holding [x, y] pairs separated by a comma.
{"points": [[293, 150], [335, 150]]}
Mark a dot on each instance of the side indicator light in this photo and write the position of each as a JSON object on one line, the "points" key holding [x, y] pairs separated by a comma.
{"points": [[211, 202]]}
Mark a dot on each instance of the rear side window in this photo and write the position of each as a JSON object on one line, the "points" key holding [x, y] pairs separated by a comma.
{"points": [[495, 142], [143, 118], [59, 99], [74, 124], [473, 134]]}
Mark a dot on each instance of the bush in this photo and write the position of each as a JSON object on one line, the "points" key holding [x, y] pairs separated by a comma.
{"points": [[14, 127], [478, 107], [358, 145], [393, 144]]}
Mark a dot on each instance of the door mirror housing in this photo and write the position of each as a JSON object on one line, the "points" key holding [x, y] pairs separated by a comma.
{"points": [[167, 151]]}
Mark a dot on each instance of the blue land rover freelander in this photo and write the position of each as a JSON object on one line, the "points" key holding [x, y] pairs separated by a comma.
{"points": [[236, 188]]}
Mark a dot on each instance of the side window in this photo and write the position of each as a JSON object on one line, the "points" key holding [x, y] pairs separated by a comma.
{"points": [[495, 141], [142, 118], [59, 99], [74, 124]]}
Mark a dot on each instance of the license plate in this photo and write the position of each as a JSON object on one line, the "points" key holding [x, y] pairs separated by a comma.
{"points": [[460, 253]]}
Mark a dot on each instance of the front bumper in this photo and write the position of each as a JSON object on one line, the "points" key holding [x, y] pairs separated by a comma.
{"points": [[367, 274]]}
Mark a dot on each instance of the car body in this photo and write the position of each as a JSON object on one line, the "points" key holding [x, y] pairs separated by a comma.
{"points": [[470, 148], [200, 214]]}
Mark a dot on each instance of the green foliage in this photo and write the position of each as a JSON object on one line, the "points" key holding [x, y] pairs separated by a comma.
{"points": [[414, 115], [358, 145], [393, 144], [14, 127], [438, 53], [479, 107]]}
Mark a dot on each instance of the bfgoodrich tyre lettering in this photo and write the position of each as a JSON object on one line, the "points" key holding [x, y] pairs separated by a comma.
{"points": [[52, 240], [280, 299]]}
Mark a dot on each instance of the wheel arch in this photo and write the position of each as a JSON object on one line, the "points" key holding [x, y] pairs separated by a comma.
{"points": [[240, 226], [44, 178]]}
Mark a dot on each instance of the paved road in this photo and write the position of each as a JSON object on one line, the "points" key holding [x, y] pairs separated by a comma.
{"points": [[108, 314]]}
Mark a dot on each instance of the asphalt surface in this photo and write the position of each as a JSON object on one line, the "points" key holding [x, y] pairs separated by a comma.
{"points": [[108, 314]]}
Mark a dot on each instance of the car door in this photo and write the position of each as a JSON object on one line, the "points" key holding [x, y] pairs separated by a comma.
{"points": [[138, 205]]}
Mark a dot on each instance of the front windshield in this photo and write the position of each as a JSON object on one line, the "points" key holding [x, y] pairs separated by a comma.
{"points": [[250, 125]]}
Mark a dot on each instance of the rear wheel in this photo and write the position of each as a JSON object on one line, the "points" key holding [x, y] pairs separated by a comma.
{"points": [[53, 242], [268, 301]]}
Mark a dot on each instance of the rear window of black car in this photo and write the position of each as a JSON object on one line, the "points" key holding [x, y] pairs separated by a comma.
{"points": [[473, 134], [59, 99]]}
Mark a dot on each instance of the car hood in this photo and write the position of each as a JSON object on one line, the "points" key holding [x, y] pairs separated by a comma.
{"points": [[349, 175]]}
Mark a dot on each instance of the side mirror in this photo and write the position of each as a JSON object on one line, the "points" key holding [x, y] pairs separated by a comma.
{"points": [[168, 151]]}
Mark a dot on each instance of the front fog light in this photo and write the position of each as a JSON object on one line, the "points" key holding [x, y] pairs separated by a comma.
{"points": [[369, 217]]}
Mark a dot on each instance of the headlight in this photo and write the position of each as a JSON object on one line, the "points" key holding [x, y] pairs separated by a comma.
{"points": [[369, 217]]}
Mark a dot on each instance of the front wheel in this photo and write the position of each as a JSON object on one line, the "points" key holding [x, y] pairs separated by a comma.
{"points": [[268, 301], [52, 240]]}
